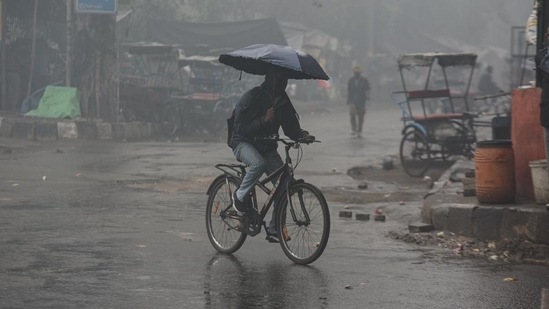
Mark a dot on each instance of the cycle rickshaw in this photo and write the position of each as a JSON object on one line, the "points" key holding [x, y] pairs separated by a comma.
{"points": [[438, 124]]}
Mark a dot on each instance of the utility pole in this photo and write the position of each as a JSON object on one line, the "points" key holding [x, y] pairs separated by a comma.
{"points": [[4, 104], [68, 58]]}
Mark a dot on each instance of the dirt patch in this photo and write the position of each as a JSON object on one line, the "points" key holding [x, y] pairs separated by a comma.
{"points": [[377, 185]]}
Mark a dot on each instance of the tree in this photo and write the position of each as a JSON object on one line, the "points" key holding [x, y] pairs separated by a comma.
{"points": [[94, 65]]}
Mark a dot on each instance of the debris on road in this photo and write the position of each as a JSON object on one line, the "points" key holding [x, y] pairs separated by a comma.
{"points": [[507, 251], [510, 279], [345, 214], [362, 217]]}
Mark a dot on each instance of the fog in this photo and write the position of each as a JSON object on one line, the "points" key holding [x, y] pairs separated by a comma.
{"points": [[373, 33], [388, 28]]}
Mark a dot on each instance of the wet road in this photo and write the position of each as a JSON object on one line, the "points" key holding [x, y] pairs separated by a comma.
{"points": [[121, 225]]}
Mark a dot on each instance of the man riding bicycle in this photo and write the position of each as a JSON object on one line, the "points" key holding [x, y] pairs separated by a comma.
{"points": [[259, 114]]}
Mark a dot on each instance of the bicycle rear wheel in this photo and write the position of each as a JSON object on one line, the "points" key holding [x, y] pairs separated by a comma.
{"points": [[415, 154], [303, 224], [221, 226]]}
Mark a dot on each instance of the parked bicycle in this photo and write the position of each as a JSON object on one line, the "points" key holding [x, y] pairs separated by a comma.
{"points": [[302, 216]]}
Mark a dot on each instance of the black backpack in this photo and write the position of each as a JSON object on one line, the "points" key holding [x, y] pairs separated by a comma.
{"points": [[230, 125]]}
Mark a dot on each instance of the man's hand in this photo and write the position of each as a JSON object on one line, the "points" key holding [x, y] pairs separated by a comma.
{"points": [[269, 115]]}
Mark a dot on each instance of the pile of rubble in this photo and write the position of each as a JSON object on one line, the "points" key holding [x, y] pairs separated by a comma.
{"points": [[511, 251]]}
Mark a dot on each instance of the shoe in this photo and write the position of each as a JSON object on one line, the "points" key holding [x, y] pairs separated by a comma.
{"points": [[358, 135], [239, 206], [272, 237], [353, 133], [547, 207]]}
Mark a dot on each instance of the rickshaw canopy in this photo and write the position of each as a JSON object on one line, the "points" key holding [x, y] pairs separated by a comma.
{"points": [[444, 59]]}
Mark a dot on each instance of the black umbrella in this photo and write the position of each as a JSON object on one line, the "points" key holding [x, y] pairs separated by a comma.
{"points": [[259, 59]]}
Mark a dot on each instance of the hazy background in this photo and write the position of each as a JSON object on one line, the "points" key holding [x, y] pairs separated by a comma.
{"points": [[373, 33]]}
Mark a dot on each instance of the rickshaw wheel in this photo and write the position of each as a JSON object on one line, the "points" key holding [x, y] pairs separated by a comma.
{"points": [[170, 120], [415, 155]]}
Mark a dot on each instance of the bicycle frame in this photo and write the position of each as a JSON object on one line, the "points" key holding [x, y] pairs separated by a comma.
{"points": [[284, 175]]}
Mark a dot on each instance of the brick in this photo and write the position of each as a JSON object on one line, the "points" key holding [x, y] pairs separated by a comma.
{"points": [[345, 214], [420, 227], [380, 218], [362, 217]]}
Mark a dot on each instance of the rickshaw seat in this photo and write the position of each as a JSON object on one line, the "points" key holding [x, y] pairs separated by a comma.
{"points": [[446, 116], [428, 94]]}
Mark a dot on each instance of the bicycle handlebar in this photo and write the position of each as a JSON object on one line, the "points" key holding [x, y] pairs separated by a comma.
{"points": [[291, 143]]}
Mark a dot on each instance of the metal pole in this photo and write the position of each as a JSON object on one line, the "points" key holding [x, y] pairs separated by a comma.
{"points": [[33, 48], [68, 59], [3, 51]]}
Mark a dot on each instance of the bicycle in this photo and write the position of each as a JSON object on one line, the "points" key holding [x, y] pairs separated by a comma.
{"points": [[302, 216]]}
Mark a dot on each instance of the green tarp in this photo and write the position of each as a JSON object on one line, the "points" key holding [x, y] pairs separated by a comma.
{"points": [[58, 102]]}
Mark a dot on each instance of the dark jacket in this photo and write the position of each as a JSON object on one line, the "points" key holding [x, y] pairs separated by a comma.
{"points": [[249, 124], [357, 90], [544, 103]]}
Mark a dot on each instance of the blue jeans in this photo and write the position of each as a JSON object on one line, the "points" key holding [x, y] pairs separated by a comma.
{"points": [[256, 166]]}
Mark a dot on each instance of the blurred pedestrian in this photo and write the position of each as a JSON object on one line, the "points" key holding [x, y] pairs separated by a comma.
{"points": [[358, 92], [486, 84], [542, 61]]}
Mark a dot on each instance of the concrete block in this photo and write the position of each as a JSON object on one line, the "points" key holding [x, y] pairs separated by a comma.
{"points": [[362, 217], [461, 222], [439, 216], [130, 131], [380, 218], [144, 130], [46, 131], [516, 224], [24, 129], [117, 130], [6, 127], [104, 131], [420, 227], [87, 130], [67, 130], [545, 299], [487, 222], [345, 214], [540, 227]]}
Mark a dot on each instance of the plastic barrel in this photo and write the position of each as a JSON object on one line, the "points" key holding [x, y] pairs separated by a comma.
{"points": [[495, 172]]}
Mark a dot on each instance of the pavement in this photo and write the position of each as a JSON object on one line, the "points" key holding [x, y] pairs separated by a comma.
{"points": [[43, 129], [445, 207]]}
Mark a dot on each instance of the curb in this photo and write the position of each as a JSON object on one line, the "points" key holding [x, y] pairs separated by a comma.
{"points": [[39, 129], [447, 209]]}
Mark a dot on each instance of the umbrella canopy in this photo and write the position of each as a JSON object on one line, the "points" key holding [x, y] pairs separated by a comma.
{"points": [[259, 59]]}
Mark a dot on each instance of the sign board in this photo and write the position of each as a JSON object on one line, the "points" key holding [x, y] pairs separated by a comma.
{"points": [[96, 6]]}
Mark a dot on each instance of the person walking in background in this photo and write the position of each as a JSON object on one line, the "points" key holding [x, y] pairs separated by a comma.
{"points": [[486, 84], [358, 92], [542, 67]]}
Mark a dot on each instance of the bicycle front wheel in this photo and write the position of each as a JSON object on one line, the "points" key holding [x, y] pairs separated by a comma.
{"points": [[221, 226], [303, 223]]}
